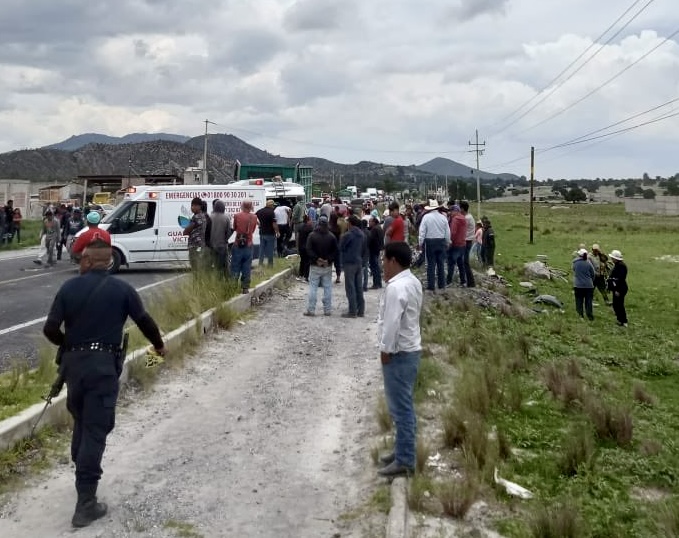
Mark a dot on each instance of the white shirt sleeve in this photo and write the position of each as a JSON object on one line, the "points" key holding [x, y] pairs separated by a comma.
{"points": [[423, 231], [393, 309]]}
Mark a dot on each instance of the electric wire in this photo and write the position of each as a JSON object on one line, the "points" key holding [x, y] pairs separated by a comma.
{"points": [[602, 85], [565, 70]]}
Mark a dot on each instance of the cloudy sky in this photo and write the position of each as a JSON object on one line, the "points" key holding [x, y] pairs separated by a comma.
{"points": [[393, 81]]}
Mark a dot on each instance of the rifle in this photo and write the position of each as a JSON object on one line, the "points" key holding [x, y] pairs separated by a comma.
{"points": [[55, 389]]}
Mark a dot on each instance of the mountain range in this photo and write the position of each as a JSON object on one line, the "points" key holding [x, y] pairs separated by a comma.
{"points": [[165, 153]]}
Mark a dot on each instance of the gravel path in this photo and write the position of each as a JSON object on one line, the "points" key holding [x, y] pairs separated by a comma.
{"points": [[259, 434]]}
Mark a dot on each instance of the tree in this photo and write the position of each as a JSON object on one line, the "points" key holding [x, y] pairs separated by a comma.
{"points": [[388, 185], [576, 194], [649, 194], [672, 186], [619, 193]]}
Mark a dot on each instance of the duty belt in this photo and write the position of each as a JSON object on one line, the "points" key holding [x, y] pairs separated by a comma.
{"points": [[95, 346]]}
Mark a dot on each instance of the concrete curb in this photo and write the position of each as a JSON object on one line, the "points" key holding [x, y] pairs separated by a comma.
{"points": [[397, 523], [18, 427]]}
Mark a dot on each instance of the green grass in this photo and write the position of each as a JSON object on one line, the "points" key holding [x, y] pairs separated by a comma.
{"points": [[593, 409], [173, 306], [30, 235]]}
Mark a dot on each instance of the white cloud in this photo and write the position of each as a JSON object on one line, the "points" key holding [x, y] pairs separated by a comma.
{"points": [[349, 78]]}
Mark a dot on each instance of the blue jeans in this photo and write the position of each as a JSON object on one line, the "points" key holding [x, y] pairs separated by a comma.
{"points": [[467, 266], [399, 384], [320, 276], [353, 286], [436, 251], [241, 264], [456, 257], [266, 248], [375, 269]]}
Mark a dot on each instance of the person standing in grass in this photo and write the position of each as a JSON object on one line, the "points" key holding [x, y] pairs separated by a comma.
{"points": [[583, 284], [617, 284], [196, 232], [600, 262], [400, 345], [244, 224], [16, 224]]}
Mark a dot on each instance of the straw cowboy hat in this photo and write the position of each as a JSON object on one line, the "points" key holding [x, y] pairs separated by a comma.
{"points": [[433, 204], [616, 255]]}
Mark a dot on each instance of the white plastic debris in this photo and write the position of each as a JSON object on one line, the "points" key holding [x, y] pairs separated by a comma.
{"points": [[431, 392], [537, 269], [512, 488], [528, 285]]}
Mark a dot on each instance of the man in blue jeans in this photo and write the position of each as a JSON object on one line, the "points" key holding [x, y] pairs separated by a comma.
{"points": [[268, 233], [244, 224], [434, 238], [321, 249], [398, 335]]}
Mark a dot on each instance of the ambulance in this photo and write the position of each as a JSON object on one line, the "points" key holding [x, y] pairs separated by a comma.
{"points": [[148, 225]]}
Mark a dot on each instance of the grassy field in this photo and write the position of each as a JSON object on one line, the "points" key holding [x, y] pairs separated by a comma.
{"points": [[583, 414], [20, 388]]}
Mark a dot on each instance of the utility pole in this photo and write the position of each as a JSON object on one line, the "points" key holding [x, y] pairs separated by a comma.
{"points": [[204, 178], [477, 149], [532, 178]]}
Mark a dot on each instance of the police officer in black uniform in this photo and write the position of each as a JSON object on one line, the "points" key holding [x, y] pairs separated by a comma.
{"points": [[93, 308]]}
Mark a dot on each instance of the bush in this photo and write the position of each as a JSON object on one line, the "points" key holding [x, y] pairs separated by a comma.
{"points": [[561, 521], [457, 495]]}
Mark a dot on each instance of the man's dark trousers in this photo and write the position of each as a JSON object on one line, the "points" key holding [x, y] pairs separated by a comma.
{"points": [[467, 266], [456, 258], [353, 286], [436, 252], [92, 381], [375, 269]]}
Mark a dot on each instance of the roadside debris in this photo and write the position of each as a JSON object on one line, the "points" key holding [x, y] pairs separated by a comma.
{"points": [[548, 299], [512, 488]]}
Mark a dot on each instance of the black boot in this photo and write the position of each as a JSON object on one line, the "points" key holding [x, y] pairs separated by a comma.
{"points": [[87, 509]]}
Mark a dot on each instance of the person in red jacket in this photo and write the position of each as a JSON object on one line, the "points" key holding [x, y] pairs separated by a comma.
{"points": [[458, 244], [92, 233]]}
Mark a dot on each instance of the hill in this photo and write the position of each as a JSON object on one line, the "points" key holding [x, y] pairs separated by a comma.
{"points": [[445, 167], [158, 157], [78, 141]]}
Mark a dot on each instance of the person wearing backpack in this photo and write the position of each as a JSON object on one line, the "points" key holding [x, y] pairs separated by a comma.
{"points": [[244, 224]]}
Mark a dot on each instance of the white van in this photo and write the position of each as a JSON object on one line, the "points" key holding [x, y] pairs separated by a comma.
{"points": [[147, 226]]}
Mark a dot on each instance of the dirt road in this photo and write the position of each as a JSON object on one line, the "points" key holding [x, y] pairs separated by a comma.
{"points": [[262, 433]]}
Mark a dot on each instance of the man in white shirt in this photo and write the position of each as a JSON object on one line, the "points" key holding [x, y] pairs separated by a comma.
{"points": [[471, 230], [434, 238], [283, 214], [400, 344]]}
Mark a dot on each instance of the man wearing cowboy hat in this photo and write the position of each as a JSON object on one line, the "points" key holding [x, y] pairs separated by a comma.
{"points": [[434, 238], [617, 283]]}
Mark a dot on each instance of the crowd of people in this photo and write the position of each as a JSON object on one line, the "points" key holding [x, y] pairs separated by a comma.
{"points": [[60, 225]]}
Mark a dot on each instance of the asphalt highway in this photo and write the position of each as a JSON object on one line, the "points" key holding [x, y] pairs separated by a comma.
{"points": [[26, 293]]}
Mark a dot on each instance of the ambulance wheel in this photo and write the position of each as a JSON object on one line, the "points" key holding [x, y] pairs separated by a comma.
{"points": [[116, 260]]}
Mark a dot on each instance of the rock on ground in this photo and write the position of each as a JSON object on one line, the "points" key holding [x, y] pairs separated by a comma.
{"points": [[259, 434]]}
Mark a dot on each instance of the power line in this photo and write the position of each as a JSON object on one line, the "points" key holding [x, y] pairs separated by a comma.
{"points": [[604, 84], [626, 129], [635, 116], [565, 70]]}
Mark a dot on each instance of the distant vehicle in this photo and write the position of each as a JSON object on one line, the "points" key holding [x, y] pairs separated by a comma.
{"points": [[101, 198], [371, 193], [107, 208]]}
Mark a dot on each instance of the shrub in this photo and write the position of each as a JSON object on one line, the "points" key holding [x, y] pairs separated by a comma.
{"points": [[457, 495], [454, 428], [423, 451], [561, 521], [641, 395], [578, 450], [382, 414], [610, 422]]}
